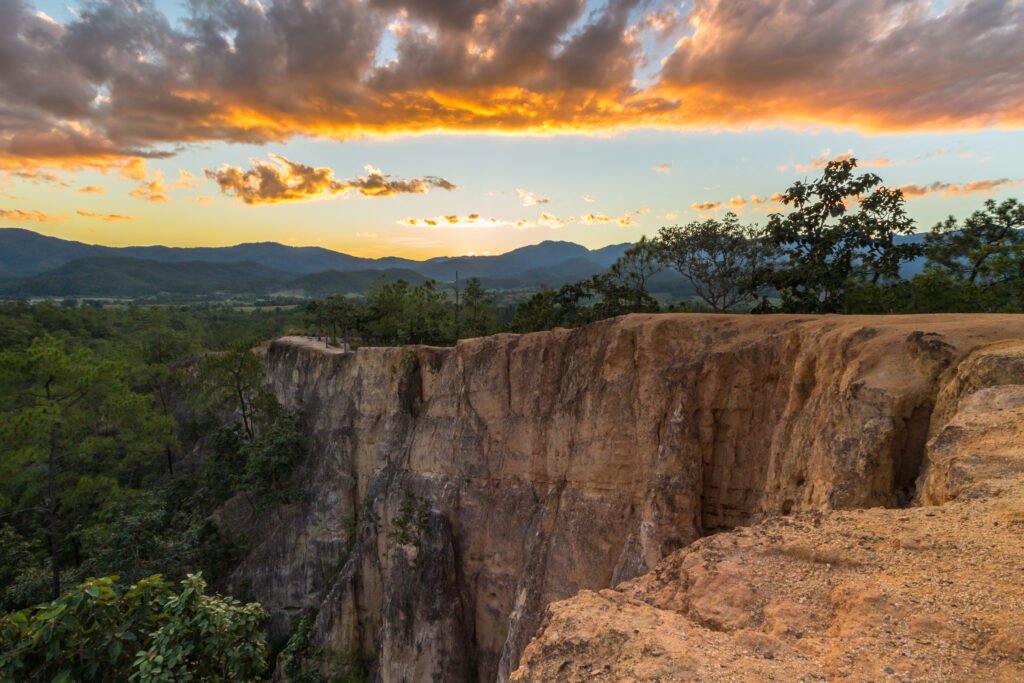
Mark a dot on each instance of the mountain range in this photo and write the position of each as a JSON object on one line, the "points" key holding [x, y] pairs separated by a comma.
{"points": [[32, 264]]}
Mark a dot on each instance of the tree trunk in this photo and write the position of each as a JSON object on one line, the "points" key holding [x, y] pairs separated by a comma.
{"points": [[52, 511], [246, 423]]}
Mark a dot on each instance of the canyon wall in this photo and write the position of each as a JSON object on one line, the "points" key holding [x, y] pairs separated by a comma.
{"points": [[927, 593], [454, 493]]}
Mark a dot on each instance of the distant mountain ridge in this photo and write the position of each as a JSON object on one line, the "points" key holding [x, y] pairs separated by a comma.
{"points": [[36, 265]]}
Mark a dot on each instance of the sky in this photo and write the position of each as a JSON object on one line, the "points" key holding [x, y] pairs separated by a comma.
{"points": [[421, 128]]}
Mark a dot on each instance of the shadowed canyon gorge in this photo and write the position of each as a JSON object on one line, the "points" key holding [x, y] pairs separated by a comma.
{"points": [[658, 497]]}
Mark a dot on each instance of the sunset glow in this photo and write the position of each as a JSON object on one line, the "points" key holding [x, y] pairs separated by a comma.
{"points": [[382, 126]]}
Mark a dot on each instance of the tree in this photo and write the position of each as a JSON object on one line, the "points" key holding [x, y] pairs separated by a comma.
{"points": [[630, 273], [233, 381], [338, 315], [825, 245], [257, 456], [477, 311], [540, 312], [71, 419], [386, 304], [719, 258], [980, 250], [427, 315], [104, 631]]}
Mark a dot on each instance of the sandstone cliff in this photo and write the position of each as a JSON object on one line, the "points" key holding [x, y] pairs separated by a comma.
{"points": [[455, 493], [929, 593]]}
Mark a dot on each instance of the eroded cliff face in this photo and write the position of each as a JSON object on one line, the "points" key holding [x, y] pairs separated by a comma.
{"points": [[929, 593], [455, 493]]}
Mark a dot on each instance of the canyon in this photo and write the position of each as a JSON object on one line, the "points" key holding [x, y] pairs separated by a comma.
{"points": [[657, 497]]}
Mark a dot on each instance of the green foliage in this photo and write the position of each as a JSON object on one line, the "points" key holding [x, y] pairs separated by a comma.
{"points": [[477, 315], [629, 276], [125, 500], [721, 259], [411, 521], [103, 630], [396, 313], [977, 265], [825, 244], [75, 437], [231, 382], [257, 454], [23, 573], [298, 659], [270, 460], [204, 638]]}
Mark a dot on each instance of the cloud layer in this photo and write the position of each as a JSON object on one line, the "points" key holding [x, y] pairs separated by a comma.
{"points": [[283, 180], [974, 187], [122, 81]]}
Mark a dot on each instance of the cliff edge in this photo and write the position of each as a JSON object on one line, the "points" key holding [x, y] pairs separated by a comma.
{"points": [[453, 494]]}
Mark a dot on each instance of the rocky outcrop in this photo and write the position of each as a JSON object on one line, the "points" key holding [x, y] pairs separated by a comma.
{"points": [[929, 593], [454, 493]]}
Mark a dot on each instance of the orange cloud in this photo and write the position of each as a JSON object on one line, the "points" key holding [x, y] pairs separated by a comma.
{"points": [[187, 180], [472, 220], [36, 177], [663, 168], [108, 217], [947, 190], [37, 216], [92, 189], [152, 190], [283, 180], [134, 85], [739, 202], [624, 220]]}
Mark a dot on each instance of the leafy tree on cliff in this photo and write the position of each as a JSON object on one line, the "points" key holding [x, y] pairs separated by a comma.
{"points": [[385, 311], [428, 315], [825, 244], [232, 381], [977, 250], [476, 311], [630, 274], [339, 314], [977, 264], [255, 455], [719, 258]]}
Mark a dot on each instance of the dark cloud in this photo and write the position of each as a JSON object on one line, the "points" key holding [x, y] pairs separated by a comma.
{"points": [[120, 80], [458, 15], [867, 64], [283, 180]]}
